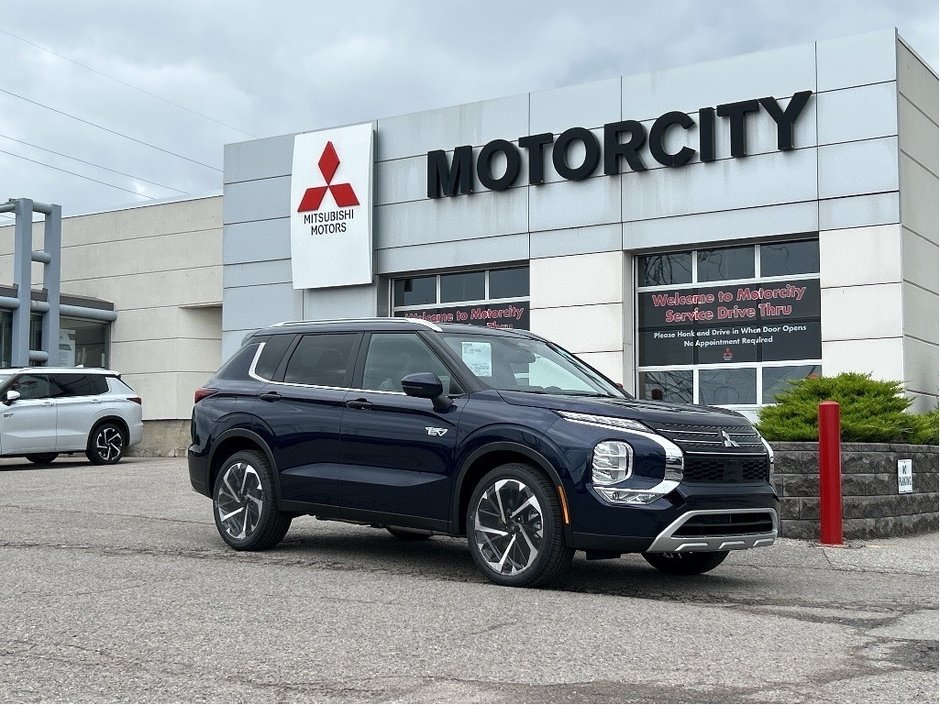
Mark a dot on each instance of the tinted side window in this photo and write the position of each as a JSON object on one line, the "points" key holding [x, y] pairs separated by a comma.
{"points": [[270, 358], [322, 359], [237, 365], [392, 356], [31, 386], [77, 385]]}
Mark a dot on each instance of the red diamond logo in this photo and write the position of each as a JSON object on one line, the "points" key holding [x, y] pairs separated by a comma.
{"points": [[343, 194]]}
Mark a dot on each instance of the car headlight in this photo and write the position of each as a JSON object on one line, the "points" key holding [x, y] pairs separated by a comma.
{"points": [[612, 461], [607, 421]]}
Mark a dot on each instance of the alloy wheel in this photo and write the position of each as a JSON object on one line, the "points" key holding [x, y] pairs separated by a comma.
{"points": [[508, 526], [109, 444], [239, 500]]}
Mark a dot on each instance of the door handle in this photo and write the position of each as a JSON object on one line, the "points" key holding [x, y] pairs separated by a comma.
{"points": [[359, 404], [269, 396]]}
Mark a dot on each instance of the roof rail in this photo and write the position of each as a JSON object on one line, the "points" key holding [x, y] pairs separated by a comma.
{"points": [[376, 319]]}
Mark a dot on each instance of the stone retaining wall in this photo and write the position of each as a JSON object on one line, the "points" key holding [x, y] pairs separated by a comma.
{"points": [[871, 504]]}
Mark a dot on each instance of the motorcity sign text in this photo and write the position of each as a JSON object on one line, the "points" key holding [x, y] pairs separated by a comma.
{"points": [[621, 142]]}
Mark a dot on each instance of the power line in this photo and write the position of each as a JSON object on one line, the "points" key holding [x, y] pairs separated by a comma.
{"points": [[98, 166], [108, 129], [124, 83], [81, 176]]}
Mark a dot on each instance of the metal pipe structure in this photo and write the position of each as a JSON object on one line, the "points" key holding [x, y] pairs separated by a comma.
{"points": [[830, 475]]}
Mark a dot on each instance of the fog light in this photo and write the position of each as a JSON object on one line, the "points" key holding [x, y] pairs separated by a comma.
{"points": [[626, 496], [612, 462]]}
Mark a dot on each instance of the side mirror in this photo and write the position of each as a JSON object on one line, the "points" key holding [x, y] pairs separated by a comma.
{"points": [[427, 385], [11, 396]]}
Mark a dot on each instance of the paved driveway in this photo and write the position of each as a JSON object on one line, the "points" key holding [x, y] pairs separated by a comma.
{"points": [[115, 587]]}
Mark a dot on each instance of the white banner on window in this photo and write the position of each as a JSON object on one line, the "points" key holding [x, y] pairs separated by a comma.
{"points": [[331, 208]]}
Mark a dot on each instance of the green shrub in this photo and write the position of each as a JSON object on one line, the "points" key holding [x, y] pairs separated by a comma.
{"points": [[871, 411], [926, 428]]}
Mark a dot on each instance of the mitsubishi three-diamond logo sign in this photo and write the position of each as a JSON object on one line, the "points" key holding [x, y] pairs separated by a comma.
{"points": [[331, 208], [343, 194]]}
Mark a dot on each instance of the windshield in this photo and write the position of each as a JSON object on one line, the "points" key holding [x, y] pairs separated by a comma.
{"points": [[4, 379], [527, 365]]}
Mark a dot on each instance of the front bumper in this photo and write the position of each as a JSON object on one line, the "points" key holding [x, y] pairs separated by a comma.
{"points": [[717, 517]]}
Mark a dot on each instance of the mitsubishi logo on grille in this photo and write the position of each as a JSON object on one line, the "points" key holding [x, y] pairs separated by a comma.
{"points": [[727, 440], [343, 193]]}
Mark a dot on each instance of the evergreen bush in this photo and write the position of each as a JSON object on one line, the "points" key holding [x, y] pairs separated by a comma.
{"points": [[871, 411]]}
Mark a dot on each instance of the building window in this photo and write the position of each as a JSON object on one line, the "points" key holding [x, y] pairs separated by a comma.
{"points": [[728, 326], [498, 298], [81, 342]]}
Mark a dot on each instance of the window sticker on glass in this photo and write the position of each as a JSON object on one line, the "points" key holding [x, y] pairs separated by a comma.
{"points": [[478, 357]]}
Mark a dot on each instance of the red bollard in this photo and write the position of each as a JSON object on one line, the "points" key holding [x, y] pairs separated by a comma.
{"points": [[830, 475]]}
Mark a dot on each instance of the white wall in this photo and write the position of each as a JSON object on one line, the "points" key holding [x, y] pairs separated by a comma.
{"points": [[161, 267]]}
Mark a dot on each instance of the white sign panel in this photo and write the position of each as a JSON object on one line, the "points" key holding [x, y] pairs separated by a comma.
{"points": [[331, 208], [905, 476]]}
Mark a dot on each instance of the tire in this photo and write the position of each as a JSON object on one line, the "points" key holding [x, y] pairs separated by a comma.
{"points": [[42, 458], [244, 503], [513, 501], [406, 535], [106, 444], [685, 563]]}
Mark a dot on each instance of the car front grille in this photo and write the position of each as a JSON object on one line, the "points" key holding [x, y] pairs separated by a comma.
{"points": [[702, 438], [726, 468]]}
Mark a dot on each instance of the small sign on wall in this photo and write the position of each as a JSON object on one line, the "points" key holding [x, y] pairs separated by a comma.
{"points": [[905, 476]]}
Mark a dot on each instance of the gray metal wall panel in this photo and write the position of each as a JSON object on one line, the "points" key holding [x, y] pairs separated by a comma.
{"points": [[446, 128], [576, 241], [259, 159], [572, 204], [256, 240], [251, 273], [342, 302], [588, 105], [918, 135], [920, 194], [858, 113], [780, 177], [918, 83], [855, 168], [256, 200], [779, 72], [448, 219], [465, 253], [401, 180], [722, 225], [256, 306], [859, 211], [856, 60]]}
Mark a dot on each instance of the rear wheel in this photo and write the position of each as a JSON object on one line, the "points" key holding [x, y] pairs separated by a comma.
{"points": [[244, 503], [105, 444], [42, 458], [685, 563], [515, 528]]}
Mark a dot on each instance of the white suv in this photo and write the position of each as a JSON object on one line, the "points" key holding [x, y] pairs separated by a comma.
{"points": [[45, 411]]}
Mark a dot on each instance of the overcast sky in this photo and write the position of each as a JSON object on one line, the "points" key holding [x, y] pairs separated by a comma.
{"points": [[281, 66]]}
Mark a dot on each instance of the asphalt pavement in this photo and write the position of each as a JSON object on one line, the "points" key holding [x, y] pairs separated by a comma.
{"points": [[116, 587]]}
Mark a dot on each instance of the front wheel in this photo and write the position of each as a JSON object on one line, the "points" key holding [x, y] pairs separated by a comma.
{"points": [[685, 563], [515, 528], [105, 444], [42, 458], [244, 503]]}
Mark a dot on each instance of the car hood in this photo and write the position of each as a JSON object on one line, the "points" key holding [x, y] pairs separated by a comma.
{"points": [[650, 412]]}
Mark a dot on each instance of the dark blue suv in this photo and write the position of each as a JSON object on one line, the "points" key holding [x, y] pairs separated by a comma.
{"points": [[497, 435]]}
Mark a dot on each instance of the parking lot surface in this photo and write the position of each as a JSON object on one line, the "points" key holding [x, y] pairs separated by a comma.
{"points": [[116, 587]]}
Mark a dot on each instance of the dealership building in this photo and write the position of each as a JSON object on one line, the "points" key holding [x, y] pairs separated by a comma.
{"points": [[702, 233]]}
